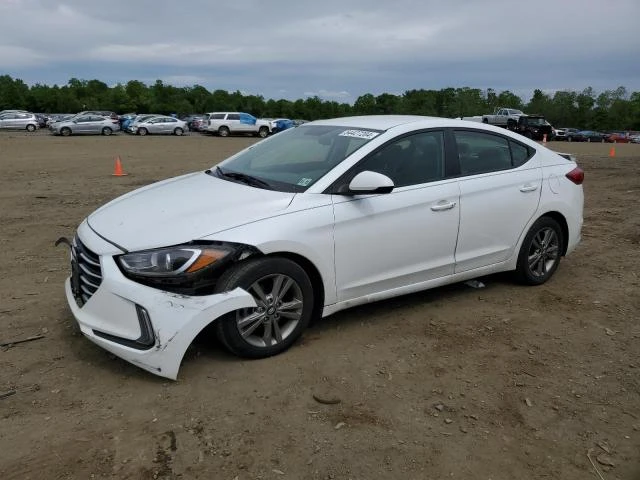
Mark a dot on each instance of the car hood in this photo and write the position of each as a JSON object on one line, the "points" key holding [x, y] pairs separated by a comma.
{"points": [[182, 209]]}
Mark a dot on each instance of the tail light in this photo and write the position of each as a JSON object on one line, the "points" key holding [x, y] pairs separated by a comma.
{"points": [[576, 176]]}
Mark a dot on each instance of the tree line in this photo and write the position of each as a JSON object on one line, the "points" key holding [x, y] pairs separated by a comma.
{"points": [[608, 110]]}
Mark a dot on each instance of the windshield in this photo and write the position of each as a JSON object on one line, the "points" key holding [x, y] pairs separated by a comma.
{"points": [[295, 159], [537, 121]]}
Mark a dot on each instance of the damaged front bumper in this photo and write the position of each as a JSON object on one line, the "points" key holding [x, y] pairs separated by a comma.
{"points": [[143, 325]]}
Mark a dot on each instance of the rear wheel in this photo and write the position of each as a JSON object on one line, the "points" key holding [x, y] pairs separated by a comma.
{"points": [[142, 131], [540, 252], [107, 131], [178, 131], [31, 128], [65, 132], [284, 297], [223, 131], [484, 120]]}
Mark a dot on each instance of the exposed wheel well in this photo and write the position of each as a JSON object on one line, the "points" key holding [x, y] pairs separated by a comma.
{"points": [[558, 217], [314, 276]]}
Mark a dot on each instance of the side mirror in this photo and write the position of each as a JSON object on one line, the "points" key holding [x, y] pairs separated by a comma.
{"points": [[368, 182]]}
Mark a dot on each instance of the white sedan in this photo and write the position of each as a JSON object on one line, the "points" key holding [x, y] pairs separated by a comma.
{"points": [[316, 219]]}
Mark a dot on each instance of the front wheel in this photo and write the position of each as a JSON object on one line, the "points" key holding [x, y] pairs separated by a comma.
{"points": [[223, 131], [106, 131], [284, 297], [178, 131], [142, 131], [31, 128], [263, 132], [540, 253], [65, 132]]}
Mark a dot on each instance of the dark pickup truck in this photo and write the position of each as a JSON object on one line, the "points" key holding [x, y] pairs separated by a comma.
{"points": [[534, 127]]}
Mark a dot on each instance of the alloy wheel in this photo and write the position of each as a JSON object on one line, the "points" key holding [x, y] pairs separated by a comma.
{"points": [[544, 252], [279, 309]]}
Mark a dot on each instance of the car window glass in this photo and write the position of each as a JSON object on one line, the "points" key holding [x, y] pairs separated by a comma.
{"points": [[480, 152], [520, 153], [218, 116], [411, 160], [233, 116], [171, 120]]}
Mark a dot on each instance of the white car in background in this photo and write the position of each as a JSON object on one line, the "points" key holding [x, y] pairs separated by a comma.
{"points": [[314, 220], [236, 123]]}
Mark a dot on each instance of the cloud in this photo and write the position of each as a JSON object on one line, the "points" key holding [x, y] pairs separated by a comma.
{"points": [[296, 48]]}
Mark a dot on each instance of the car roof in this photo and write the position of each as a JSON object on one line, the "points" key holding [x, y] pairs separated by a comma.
{"points": [[376, 122]]}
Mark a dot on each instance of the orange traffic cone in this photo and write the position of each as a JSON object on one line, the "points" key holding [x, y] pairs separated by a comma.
{"points": [[544, 138], [612, 152], [117, 169]]}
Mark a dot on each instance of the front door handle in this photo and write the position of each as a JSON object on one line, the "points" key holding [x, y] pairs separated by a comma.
{"points": [[528, 188], [444, 205]]}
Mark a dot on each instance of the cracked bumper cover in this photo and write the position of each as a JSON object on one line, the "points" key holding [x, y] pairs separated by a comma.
{"points": [[145, 326]]}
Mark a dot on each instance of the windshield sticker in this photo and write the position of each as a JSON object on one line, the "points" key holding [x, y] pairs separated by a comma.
{"points": [[365, 134], [303, 182]]}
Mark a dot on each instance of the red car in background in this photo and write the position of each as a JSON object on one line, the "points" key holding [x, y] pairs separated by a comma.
{"points": [[617, 138]]}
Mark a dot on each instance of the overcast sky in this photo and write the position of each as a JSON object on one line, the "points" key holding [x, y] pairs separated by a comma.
{"points": [[336, 49]]}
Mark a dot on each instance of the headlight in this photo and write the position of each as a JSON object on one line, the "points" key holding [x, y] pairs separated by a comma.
{"points": [[190, 269], [173, 261]]}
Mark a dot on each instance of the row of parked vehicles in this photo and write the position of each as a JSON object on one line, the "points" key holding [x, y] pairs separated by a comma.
{"points": [[576, 135], [100, 122], [536, 127]]}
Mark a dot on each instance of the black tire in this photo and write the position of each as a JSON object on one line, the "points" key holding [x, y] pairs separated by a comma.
{"points": [[178, 131], [257, 342], [106, 131], [31, 128], [65, 132], [484, 120], [223, 132], [540, 252], [263, 132], [142, 131]]}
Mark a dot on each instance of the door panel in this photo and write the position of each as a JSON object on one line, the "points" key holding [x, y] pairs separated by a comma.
{"points": [[496, 200], [393, 240]]}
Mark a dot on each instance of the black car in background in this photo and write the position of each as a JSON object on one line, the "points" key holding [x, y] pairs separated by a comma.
{"points": [[585, 136]]}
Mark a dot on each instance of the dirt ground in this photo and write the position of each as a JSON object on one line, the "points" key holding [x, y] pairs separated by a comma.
{"points": [[504, 382]]}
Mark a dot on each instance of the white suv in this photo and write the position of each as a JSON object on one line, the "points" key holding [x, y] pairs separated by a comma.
{"points": [[233, 123]]}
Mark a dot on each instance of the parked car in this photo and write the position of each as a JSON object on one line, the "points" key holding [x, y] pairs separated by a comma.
{"points": [[281, 124], [319, 218], [635, 139], [533, 126], [194, 122], [43, 120], [133, 125], [161, 125], [236, 123], [85, 125], [590, 136], [617, 138], [18, 120]]}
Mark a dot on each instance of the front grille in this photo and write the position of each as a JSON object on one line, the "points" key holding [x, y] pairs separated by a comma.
{"points": [[86, 273]]}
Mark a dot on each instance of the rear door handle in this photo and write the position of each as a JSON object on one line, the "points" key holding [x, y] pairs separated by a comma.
{"points": [[443, 205], [528, 188]]}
